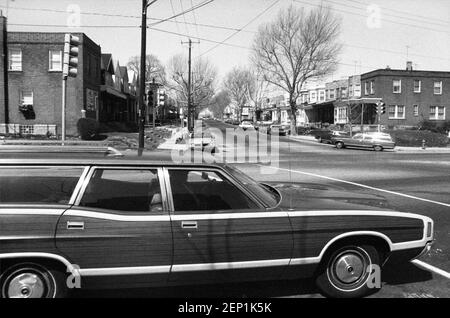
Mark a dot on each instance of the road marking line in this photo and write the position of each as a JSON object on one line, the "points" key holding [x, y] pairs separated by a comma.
{"points": [[431, 268], [361, 185]]}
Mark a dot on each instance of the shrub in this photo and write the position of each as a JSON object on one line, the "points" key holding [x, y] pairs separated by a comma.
{"points": [[88, 128], [441, 127], [413, 138]]}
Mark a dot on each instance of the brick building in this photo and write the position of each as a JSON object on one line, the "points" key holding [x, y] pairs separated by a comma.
{"points": [[31, 101], [410, 96]]}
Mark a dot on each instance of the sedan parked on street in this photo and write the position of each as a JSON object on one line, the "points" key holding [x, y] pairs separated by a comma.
{"points": [[371, 140], [280, 129], [122, 224]]}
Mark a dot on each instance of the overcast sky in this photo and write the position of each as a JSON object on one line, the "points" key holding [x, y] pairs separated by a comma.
{"points": [[369, 42]]}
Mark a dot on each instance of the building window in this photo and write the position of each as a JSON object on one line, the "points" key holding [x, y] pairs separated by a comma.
{"points": [[366, 88], [322, 96], [372, 87], [332, 93], [437, 113], [351, 91], [344, 92], [357, 90], [417, 86], [396, 112], [397, 86], [416, 110], [15, 60], [437, 88], [26, 98], [55, 61]]}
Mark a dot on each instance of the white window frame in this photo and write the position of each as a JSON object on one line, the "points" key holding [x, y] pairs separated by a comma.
{"points": [[372, 87], [22, 93], [416, 110], [399, 86], [436, 114], [366, 88], [420, 86], [10, 51], [440, 88], [50, 63], [396, 116]]}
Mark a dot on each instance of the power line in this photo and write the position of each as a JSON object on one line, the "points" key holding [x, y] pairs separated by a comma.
{"points": [[384, 13], [236, 32], [184, 12], [184, 17], [386, 20], [173, 12], [405, 13]]}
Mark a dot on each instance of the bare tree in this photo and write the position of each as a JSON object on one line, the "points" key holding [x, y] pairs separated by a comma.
{"points": [[237, 83], [257, 89], [220, 101], [204, 76], [297, 46], [154, 68]]}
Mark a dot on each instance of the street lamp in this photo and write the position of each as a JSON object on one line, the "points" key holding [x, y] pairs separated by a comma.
{"points": [[145, 5]]}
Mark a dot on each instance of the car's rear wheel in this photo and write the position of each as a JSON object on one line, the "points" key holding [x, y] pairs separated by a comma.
{"points": [[347, 272], [340, 145], [378, 148], [29, 280]]}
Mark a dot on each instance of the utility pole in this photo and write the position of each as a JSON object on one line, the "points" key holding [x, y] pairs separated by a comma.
{"points": [[145, 5], [190, 111]]}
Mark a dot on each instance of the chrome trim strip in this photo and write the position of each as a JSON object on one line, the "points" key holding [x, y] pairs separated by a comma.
{"points": [[114, 271], [70, 267], [80, 183], [118, 217]]}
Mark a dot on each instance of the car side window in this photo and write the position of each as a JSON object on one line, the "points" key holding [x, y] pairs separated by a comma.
{"points": [[124, 190], [38, 185], [368, 138], [194, 190], [358, 137]]}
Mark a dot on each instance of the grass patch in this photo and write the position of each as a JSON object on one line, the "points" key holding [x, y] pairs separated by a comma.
{"points": [[413, 138]]}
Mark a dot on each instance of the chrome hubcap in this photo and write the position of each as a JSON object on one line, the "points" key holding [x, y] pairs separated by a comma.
{"points": [[349, 268], [26, 285]]}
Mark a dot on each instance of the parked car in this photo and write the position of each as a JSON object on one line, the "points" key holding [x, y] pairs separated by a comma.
{"points": [[326, 136], [246, 124], [280, 129], [371, 140], [129, 223]]}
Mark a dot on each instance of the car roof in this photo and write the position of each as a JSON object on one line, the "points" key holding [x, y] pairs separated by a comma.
{"points": [[103, 162]]}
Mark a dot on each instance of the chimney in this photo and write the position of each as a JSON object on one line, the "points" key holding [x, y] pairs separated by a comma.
{"points": [[409, 66]]}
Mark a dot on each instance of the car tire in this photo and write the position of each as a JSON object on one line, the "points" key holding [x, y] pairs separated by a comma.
{"points": [[319, 139], [346, 273], [340, 145], [378, 148], [30, 280]]}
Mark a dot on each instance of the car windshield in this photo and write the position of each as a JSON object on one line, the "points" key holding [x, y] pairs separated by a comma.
{"points": [[267, 194]]}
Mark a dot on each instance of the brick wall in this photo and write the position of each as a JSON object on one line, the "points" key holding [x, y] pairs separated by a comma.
{"points": [[384, 90], [46, 85]]}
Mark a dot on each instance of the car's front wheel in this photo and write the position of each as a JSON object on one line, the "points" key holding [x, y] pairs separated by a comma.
{"points": [[378, 148], [29, 280], [347, 272], [340, 145]]}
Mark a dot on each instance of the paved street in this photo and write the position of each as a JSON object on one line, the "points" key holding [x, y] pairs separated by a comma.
{"points": [[412, 182]]}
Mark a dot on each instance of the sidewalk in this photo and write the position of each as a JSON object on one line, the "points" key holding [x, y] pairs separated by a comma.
{"points": [[397, 149]]}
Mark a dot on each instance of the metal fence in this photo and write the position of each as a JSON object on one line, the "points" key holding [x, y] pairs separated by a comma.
{"points": [[28, 130]]}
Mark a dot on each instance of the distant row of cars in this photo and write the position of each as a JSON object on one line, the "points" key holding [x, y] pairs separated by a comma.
{"points": [[282, 129]]}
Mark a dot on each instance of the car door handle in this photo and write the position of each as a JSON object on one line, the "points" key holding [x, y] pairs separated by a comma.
{"points": [[189, 225], [75, 225]]}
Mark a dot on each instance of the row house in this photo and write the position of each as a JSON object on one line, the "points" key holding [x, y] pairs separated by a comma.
{"points": [[31, 83], [410, 96], [119, 101]]}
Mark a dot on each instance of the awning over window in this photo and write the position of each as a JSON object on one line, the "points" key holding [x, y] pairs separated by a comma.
{"points": [[112, 91]]}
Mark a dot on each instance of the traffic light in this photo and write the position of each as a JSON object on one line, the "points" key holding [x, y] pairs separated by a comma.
{"points": [[381, 108], [150, 98], [71, 50], [161, 98]]}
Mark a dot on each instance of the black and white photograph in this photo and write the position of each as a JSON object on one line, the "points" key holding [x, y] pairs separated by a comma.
{"points": [[224, 155]]}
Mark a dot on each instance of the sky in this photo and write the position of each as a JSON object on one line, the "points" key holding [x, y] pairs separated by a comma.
{"points": [[374, 33]]}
